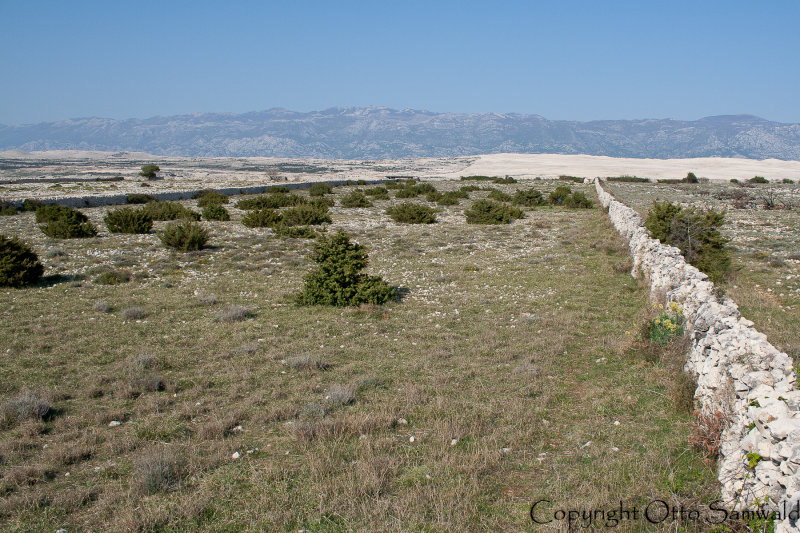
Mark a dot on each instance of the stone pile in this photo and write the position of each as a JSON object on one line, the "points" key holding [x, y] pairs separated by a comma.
{"points": [[740, 376]]}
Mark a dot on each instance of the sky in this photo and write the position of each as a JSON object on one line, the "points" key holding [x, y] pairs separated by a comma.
{"points": [[566, 60]]}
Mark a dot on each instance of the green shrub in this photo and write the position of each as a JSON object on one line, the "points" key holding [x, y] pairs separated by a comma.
{"points": [[280, 189], [469, 188], [506, 180], [758, 179], [209, 197], [498, 195], [493, 179], [338, 279], [32, 205], [61, 222], [574, 179], [528, 198], [113, 277], [128, 220], [356, 199], [393, 185], [491, 212], [262, 218], [788, 181], [561, 193], [271, 201], [378, 193], [411, 213], [425, 188], [407, 192], [7, 209], [695, 233], [434, 196], [734, 180], [451, 198], [19, 265], [320, 189], [691, 178], [629, 179], [577, 200], [139, 198], [185, 235], [169, 211], [216, 212], [149, 171], [305, 215], [322, 203]]}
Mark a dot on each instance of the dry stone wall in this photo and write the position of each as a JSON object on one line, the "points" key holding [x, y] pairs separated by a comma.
{"points": [[738, 372]]}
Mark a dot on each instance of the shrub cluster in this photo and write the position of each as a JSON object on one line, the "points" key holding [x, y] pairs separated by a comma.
{"points": [[61, 222], [493, 179], [32, 205], [7, 209], [216, 212], [447, 198], [629, 179], [356, 198], [303, 215], [412, 189], [113, 277], [695, 233], [758, 179], [149, 171], [411, 213], [320, 189], [564, 196], [491, 212], [498, 195], [128, 220], [209, 197], [262, 218], [139, 198], [19, 265], [338, 279], [185, 235], [378, 193], [271, 201], [169, 211], [528, 198]]}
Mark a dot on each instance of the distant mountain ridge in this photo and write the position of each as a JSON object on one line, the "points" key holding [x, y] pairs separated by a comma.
{"points": [[384, 133]]}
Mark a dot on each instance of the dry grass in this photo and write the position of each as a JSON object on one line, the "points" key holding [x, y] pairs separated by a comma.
{"points": [[509, 341]]}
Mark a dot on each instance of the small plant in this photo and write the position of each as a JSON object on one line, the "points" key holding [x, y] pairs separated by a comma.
{"points": [[262, 218], [128, 220], [169, 211], [577, 200], [706, 433], [560, 194], [186, 235], [139, 198], [356, 199], [753, 459], [668, 325], [306, 362], [234, 313], [294, 232], [758, 179], [62, 222], [490, 212], [157, 470], [407, 192], [337, 280], [209, 197], [320, 189], [411, 213], [498, 195], [26, 405], [134, 313], [452, 197], [149, 171], [19, 265], [216, 212], [691, 178], [113, 277], [341, 395]]}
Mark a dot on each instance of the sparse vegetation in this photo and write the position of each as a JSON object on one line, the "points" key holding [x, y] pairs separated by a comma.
{"points": [[320, 189], [26, 405], [208, 198], [529, 198], [271, 201], [128, 220], [60, 222], [356, 198], [262, 218], [19, 264]]}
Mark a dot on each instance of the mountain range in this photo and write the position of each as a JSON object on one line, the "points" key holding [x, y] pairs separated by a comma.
{"points": [[384, 133]]}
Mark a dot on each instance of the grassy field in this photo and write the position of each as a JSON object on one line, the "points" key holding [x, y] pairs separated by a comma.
{"points": [[198, 396], [765, 243]]}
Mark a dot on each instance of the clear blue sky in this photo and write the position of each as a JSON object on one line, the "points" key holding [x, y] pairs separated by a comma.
{"points": [[563, 60]]}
